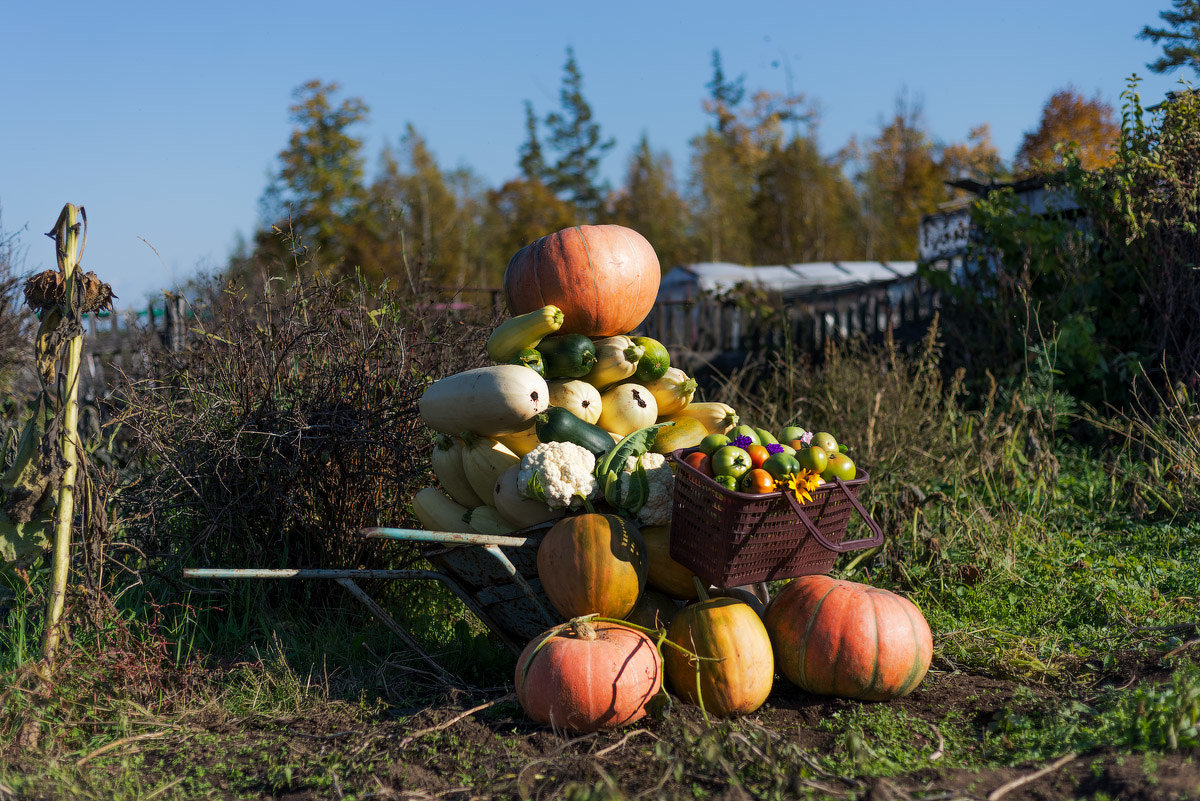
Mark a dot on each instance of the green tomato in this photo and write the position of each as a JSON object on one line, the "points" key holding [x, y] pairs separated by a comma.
{"points": [[781, 465], [840, 466], [730, 461], [813, 458], [713, 441], [825, 441], [745, 431], [790, 433], [728, 482]]}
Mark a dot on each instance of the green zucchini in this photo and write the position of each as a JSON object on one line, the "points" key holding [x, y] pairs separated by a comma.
{"points": [[557, 424], [567, 356]]}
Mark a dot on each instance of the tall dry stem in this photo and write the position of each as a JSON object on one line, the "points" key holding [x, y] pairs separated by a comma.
{"points": [[69, 246]]}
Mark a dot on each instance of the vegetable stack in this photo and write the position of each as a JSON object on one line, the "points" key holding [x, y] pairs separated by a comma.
{"points": [[573, 423], [576, 410]]}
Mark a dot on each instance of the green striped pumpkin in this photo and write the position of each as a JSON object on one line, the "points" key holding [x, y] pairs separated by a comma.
{"points": [[847, 639]]}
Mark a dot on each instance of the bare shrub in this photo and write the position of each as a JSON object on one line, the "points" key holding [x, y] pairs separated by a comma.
{"points": [[288, 423], [17, 324]]}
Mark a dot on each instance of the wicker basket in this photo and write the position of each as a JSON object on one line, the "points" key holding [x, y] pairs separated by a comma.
{"points": [[731, 538]]}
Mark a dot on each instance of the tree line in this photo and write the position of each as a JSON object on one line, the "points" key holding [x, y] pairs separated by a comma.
{"points": [[757, 188]]}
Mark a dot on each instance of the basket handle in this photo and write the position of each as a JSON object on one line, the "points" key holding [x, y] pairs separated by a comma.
{"points": [[866, 542]]}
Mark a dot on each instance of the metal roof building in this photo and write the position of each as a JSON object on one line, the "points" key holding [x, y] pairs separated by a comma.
{"points": [[687, 281]]}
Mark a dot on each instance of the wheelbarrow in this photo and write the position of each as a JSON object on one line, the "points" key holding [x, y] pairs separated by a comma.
{"points": [[494, 576]]}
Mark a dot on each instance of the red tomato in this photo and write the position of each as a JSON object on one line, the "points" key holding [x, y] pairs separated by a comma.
{"points": [[700, 461], [758, 455], [757, 481]]}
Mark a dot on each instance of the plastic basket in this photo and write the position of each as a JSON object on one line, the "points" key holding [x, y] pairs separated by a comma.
{"points": [[731, 538]]}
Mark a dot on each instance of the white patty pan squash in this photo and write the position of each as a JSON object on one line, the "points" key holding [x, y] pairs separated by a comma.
{"points": [[627, 407]]}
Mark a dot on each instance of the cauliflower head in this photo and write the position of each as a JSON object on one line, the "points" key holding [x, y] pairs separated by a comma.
{"points": [[558, 474], [657, 509]]}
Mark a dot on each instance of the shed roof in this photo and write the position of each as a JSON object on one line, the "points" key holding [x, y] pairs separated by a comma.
{"points": [[688, 280]]}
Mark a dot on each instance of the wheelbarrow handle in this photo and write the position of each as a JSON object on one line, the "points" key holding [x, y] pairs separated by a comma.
{"points": [[445, 537], [853, 545]]}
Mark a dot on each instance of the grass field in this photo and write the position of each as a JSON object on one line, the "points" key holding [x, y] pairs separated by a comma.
{"points": [[1059, 575]]}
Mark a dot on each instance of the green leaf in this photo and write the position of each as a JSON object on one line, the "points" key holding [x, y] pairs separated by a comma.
{"points": [[535, 488], [638, 490], [19, 541], [633, 496], [634, 444]]}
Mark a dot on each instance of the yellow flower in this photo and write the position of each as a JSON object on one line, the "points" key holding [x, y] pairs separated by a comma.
{"points": [[803, 483]]}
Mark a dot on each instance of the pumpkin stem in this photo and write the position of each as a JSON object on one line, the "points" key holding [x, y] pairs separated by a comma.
{"points": [[660, 637], [701, 590], [582, 629]]}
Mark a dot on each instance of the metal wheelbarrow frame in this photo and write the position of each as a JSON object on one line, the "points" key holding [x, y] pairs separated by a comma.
{"points": [[494, 576]]}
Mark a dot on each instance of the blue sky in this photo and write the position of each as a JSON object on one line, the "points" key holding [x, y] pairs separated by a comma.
{"points": [[164, 119]]}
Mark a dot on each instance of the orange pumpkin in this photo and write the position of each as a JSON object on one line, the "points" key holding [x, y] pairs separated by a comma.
{"points": [[653, 610], [588, 676], [730, 631], [664, 573], [592, 563], [603, 277], [842, 638]]}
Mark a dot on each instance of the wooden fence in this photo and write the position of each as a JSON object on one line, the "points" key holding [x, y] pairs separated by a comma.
{"points": [[714, 326], [710, 328], [120, 342]]}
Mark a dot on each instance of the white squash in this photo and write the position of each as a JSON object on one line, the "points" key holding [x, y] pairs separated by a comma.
{"points": [[437, 511], [578, 397], [617, 359], [501, 399], [448, 467], [521, 442], [483, 461], [522, 512], [626, 408], [673, 391], [488, 520]]}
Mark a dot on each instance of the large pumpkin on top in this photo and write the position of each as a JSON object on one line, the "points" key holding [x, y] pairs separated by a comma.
{"points": [[603, 277], [848, 639]]}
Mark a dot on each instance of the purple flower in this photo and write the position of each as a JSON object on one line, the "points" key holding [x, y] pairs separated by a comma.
{"points": [[742, 442], [774, 447], [807, 438]]}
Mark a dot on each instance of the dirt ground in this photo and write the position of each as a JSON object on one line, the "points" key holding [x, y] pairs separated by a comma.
{"points": [[495, 752]]}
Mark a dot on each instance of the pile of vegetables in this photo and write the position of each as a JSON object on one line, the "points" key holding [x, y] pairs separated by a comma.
{"points": [[572, 423], [576, 412]]}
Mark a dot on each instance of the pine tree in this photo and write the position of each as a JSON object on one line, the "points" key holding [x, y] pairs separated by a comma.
{"points": [[532, 161], [1182, 37], [576, 138], [805, 209], [724, 96], [318, 188]]}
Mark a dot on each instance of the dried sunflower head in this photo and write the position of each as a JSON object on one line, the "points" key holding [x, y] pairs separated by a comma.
{"points": [[46, 289]]}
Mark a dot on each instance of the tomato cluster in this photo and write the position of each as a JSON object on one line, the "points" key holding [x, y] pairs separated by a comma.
{"points": [[753, 460]]}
